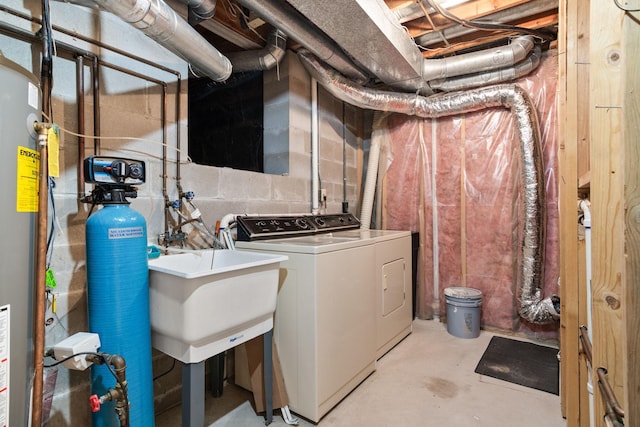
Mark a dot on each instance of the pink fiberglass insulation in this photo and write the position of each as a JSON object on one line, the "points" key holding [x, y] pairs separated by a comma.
{"points": [[477, 233]]}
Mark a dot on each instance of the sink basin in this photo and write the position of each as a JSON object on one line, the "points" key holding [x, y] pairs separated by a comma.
{"points": [[205, 302]]}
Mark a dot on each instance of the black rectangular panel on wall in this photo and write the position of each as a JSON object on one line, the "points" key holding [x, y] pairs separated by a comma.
{"points": [[226, 122]]}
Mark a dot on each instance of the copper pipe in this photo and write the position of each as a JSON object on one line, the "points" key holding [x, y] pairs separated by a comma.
{"points": [[612, 405], [81, 128], [609, 396], [95, 67], [39, 286], [40, 273], [586, 344], [122, 406]]}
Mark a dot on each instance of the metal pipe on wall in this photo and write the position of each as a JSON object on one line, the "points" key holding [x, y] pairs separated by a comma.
{"points": [[95, 72], [315, 146], [41, 261], [39, 286], [81, 128]]}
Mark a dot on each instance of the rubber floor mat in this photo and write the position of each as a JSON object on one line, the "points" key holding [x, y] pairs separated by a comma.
{"points": [[520, 362]]}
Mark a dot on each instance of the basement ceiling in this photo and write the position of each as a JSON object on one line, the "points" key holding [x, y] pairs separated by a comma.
{"points": [[236, 28], [439, 36]]}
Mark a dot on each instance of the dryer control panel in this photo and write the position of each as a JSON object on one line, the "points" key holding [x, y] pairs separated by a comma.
{"points": [[273, 227]]}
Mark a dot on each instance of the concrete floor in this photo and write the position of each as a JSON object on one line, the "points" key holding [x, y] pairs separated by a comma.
{"points": [[426, 380]]}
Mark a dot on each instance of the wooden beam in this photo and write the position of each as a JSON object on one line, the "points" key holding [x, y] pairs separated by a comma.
{"points": [[631, 137], [484, 37], [568, 126], [606, 76], [511, 15]]}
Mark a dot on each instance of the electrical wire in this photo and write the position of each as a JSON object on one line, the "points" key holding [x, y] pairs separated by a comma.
{"points": [[621, 7], [91, 353], [489, 26], [173, 365], [102, 356], [51, 238], [237, 12], [125, 138]]}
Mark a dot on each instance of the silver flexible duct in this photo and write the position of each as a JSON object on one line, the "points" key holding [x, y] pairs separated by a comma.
{"points": [[157, 20], [477, 62], [532, 307], [263, 59], [293, 25], [491, 77]]}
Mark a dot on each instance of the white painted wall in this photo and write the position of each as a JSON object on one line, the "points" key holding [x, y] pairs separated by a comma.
{"points": [[131, 107]]}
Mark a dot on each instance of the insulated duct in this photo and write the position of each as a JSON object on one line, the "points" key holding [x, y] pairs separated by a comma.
{"points": [[296, 27], [157, 20], [477, 62], [263, 59], [490, 77], [532, 307]]}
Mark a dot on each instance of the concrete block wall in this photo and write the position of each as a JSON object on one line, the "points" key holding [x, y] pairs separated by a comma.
{"points": [[132, 107]]}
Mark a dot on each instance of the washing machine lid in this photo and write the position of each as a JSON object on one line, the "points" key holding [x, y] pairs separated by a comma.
{"points": [[377, 235], [314, 244]]}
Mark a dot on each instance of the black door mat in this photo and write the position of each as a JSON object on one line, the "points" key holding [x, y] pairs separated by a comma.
{"points": [[519, 362]]}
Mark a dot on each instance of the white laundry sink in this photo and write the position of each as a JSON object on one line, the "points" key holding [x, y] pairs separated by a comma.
{"points": [[205, 302]]}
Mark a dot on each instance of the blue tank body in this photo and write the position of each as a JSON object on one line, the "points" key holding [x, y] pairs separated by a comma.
{"points": [[118, 305]]}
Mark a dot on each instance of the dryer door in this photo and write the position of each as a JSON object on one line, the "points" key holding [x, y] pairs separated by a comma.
{"points": [[393, 281]]}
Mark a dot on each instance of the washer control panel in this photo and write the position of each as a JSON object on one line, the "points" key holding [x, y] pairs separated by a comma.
{"points": [[272, 227]]}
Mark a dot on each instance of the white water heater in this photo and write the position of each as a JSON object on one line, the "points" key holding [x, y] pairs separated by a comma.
{"points": [[19, 106]]}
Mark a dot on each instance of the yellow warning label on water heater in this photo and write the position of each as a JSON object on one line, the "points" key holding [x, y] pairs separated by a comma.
{"points": [[27, 180]]}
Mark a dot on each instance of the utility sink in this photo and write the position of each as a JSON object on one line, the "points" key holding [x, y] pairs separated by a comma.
{"points": [[205, 302]]}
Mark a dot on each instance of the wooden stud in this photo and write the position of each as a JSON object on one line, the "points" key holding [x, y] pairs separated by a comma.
{"points": [[606, 76], [630, 133], [569, 287]]}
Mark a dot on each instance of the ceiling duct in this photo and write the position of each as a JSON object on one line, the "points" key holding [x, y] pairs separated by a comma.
{"points": [[158, 21], [506, 74], [381, 45], [200, 10], [480, 61], [296, 27], [263, 59]]}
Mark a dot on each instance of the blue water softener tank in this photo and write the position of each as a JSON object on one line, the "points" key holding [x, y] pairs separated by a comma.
{"points": [[118, 300]]}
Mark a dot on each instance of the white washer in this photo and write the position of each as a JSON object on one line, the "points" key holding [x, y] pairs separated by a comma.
{"points": [[393, 285], [324, 325]]}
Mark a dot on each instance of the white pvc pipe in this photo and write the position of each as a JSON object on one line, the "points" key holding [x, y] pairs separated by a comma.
{"points": [[434, 202], [370, 184], [586, 222], [315, 144]]}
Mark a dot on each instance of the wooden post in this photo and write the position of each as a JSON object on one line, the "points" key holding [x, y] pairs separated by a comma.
{"points": [[568, 158], [606, 120], [631, 137]]}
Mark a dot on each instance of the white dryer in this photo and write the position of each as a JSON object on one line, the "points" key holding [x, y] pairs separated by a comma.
{"points": [[393, 285]]}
